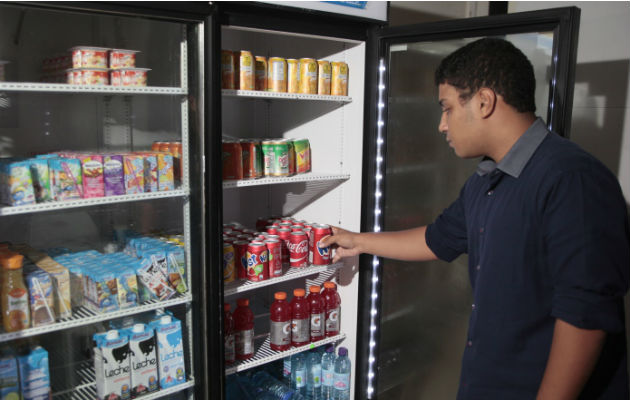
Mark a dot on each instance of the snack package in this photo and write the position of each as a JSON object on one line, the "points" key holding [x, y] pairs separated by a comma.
{"points": [[67, 183], [41, 179], [113, 175], [176, 268], [153, 281], [40, 294], [133, 166], [166, 180], [93, 183], [150, 172], [16, 183]]}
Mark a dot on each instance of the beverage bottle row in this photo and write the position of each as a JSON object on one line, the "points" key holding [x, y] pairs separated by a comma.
{"points": [[321, 377]]}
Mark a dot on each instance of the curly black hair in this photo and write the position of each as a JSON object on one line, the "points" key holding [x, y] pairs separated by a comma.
{"points": [[493, 63]]}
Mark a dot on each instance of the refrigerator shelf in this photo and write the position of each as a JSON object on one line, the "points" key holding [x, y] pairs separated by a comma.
{"points": [[62, 205], [88, 391], [235, 287], [97, 89], [83, 316], [308, 177], [265, 355], [283, 96]]}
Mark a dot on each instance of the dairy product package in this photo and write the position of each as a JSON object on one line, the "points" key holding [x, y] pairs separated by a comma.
{"points": [[133, 165], [153, 282], [92, 168], [144, 362], [113, 175], [40, 293], [67, 182], [176, 267], [112, 366], [9, 381], [16, 183], [106, 290], [127, 286], [41, 180], [171, 366], [150, 172], [34, 374]]}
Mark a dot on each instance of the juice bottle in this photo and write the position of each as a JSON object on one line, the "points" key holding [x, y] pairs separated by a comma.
{"points": [[15, 305], [333, 308], [300, 317], [228, 334], [317, 307], [280, 337], [244, 329]]}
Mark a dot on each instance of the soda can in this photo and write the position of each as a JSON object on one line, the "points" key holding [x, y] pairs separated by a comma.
{"points": [[296, 228], [260, 74], [229, 274], [302, 149], [232, 160], [286, 220], [317, 255], [245, 74], [227, 69], [257, 262], [308, 230], [274, 247], [323, 77], [276, 155], [156, 146], [339, 79], [298, 249], [277, 75], [252, 161], [308, 76], [228, 239], [249, 232], [273, 237], [285, 235], [240, 255], [244, 236], [272, 230], [299, 223], [261, 237], [293, 76], [165, 147]]}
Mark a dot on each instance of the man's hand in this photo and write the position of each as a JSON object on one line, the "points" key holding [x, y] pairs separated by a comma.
{"points": [[345, 243]]}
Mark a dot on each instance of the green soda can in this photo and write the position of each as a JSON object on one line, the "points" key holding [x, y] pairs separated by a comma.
{"points": [[276, 155]]}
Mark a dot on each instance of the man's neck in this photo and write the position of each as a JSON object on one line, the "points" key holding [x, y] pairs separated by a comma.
{"points": [[507, 132]]}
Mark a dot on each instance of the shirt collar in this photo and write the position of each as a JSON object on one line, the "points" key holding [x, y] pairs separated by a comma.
{"points": [[520, 153]]}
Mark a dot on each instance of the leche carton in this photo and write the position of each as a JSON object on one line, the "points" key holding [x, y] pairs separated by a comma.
{"points": [[112, 366], [34, 374], [171, 367], [9, 382], [144, 362], [41, 180], [113, 175], [92, 169]]}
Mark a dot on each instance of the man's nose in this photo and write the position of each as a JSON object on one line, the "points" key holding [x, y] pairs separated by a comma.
{"points": [[443, 127]]}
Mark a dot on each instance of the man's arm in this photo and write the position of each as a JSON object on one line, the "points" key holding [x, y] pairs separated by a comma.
{"points": [[407, 245], [574, 353]]}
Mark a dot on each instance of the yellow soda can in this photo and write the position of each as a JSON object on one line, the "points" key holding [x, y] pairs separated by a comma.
{"points": [[260, 80], [339, 80], [308, 76], [293, 76], [277, 75], [229, 270], [323, 77]]}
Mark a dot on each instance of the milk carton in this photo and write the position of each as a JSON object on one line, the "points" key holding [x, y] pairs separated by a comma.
{"points": [[112, 366], [171, 367], [9, 382], [144, 362], [34, 375]]}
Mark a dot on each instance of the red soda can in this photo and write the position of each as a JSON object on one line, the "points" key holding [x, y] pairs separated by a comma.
{"points": [[308, 225], [308, 232], [285, 225], [299, 223], [244, 236], [261, 237], [248, 232], [256, 241], [274, 247], [257, 262], [273, 237], [276, 223], [317, 255], [285, 235], [228, 239], [240, 253], [298, 249], [296, 228], [286, 220], [272, 230]]}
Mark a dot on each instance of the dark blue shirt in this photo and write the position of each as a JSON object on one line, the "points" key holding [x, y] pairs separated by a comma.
{"points": [[546, 232]]}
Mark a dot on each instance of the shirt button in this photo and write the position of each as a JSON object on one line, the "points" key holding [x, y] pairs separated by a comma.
{"points": [[490, 192], [469, 344], [478, 267], [474, 306]]}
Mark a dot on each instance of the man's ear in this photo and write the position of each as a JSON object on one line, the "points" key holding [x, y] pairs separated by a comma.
{"points": [[487, 102]]}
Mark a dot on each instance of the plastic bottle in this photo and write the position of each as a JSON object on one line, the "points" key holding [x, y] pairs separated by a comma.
{"points": [[298, 373], [317, 307], [280, 337], [244, 329], [286, 370], [278, 390], [342, 375], [333, 308], [228, 334], [300, 317], [313, 376], [328, 373], [15, 303]]}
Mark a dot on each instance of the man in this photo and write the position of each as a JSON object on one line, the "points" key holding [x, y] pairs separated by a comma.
{"points": [[546, 231]]}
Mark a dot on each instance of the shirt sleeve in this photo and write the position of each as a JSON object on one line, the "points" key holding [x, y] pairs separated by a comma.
{"points": [[447, 236], [586, 238]]}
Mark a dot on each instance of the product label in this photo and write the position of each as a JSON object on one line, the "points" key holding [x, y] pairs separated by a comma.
{"points": [[245, 342], [342, 381], [300, 330], [332, 320], [229, 348], [279, 73], [144, 363], [280, 333], [316, 325], [328, 377], [316, 371], [300, 378], [18, 308]]}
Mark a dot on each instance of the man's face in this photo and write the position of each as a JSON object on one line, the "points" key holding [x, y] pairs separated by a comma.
{"points": [[458, 123]]}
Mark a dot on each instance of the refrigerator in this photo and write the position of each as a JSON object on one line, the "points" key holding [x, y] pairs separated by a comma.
{"points": [[378, 163], [102, 132]]}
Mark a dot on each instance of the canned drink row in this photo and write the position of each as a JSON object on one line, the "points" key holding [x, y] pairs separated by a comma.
{"points": [[241, 70], [251, 159]]}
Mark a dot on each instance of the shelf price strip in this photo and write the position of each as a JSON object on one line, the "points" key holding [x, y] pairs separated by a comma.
{"points": [[285, 96], [277, 180], [88, 392], [102, 89]]}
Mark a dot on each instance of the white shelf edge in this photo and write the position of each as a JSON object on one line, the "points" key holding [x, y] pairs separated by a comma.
{"points": [[261, 94], [61, 205], [265, 355], [78, 320], [236, 287], [87, 390], [308, 177], [103, 89]]}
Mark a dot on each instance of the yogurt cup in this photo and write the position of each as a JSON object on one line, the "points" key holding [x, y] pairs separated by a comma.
{"points": [[87, 76], [129, 77], [120, 58], [89, 57]]}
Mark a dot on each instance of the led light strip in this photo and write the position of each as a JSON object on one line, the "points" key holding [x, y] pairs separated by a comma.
{"points": [[377, 228]]}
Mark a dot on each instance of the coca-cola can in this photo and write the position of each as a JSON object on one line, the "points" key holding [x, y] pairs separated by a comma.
{"points": [[298, 249], [240, 252], [261, 237], [284, 235], [299, 223], [273, 237], [296, 228], [272, 230], [274, 247], [308, 225], [248, 232], [244, 236], [286, 225], [286, 220], [308, 231], [228, 239], [257, 262], [317, 255], [276, 223]]}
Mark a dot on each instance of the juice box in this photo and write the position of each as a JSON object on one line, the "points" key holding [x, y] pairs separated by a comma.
{"points": [[41, 179], [16, 183], [40, 293], [93, 183], [133, 166], [153, 280], [171, 367], [9, 382], [127, 286], [176, 268], [166, 179], [106, 291], [111, 366], [113, 175], [150, 172], [144, 362], [34, 374], [67, 183]]}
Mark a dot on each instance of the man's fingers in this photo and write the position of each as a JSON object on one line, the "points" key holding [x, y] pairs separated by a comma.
{"points": [[327, 241]]}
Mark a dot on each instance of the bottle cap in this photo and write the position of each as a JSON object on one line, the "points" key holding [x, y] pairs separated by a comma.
{"points": [[138, 328], [242, 302], [10, 260], [280, 296], [111, 335], [329, 285], [226, 307], [166, 319], [314, 289], [330, 348], [299, 292], [343, 351]]}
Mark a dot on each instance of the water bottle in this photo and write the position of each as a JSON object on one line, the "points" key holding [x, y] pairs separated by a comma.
{"points": [[342, 375], [276, 389], [313, 376], [286, 370], [328, 373], [298, 373]]}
